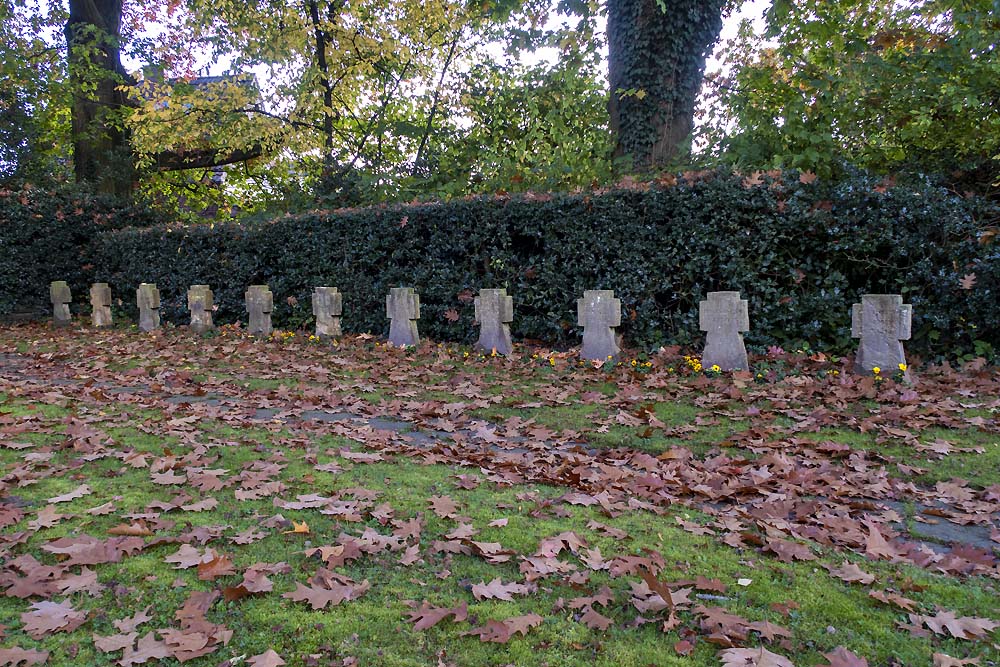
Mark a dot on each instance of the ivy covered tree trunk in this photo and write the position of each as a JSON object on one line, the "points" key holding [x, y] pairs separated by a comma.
{"points": [[101, 152], [656, 61]]}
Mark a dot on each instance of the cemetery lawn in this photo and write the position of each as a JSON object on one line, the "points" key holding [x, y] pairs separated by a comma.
{"points": [[166, 497]]}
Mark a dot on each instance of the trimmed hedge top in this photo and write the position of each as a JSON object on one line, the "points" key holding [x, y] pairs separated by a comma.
{"points": [[802, 253], [46, 236]]}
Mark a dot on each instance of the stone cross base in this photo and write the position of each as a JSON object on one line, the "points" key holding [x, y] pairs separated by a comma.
{"points": [[259, 302], [494, 311], [60, 296], [882, 322], [328, 305], [723, 317], [201, 302], [599, 312], [402, 307], [148, 299]]}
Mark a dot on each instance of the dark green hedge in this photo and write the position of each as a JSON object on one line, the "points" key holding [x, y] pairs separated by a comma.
{"points": [[801, 253], [47, 235]]}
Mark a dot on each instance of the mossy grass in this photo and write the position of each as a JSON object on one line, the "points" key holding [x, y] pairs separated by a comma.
{"points": [[374, 628]]}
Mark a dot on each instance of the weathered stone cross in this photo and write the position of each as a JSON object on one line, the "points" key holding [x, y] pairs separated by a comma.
{"points": [[61, 298], [881, 321], [494, 312], [100, 301], [723, 317], [259, 303], [201, 303], [147, 297], [402, 307], [328, 305], [599, 312]]}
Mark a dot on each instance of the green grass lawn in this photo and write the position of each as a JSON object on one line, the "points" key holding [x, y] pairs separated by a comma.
{"points": [[55, 437]]}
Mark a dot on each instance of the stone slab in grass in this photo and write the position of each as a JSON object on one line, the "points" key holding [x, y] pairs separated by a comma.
{"points": [[61, 298], [723, 316], [259, 304], [402, 307], [494, 313], [881, 321], [327, 307], [201, 303], [100, 302], [148, 299], [599, 313]]}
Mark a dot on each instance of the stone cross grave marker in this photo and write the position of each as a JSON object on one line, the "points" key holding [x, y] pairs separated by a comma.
{"points": [[260, 303], [599, 312], [100, 301], [201, 303], [147, 297], [494, 312], [881, 321], [723, 317], [328, 305], [61, 298], [402, 307]]}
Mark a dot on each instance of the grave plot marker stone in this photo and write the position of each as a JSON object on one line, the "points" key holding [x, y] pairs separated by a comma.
{"points": [[260, 303], [402, 307], [599, 312], [100, 301], [61, 298], [147, 297], [723, 317], [201, 303], [328, 306], [881, 321], [494, 313]]}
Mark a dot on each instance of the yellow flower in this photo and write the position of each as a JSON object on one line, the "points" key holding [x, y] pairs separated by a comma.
{"points": [[633, 363], [716, 368], [552, 361], [902, 367], [876, 370]]}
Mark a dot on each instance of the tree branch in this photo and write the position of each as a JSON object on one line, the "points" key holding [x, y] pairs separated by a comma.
{"points": [[434, 105], [202, 159]]}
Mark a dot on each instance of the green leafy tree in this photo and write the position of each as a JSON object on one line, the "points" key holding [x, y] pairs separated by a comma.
{"points": [[380, 100], [517, 128], [34, 113], [880, 84]]}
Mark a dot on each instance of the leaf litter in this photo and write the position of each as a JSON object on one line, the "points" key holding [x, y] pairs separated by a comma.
{"points": [[795, 496]]}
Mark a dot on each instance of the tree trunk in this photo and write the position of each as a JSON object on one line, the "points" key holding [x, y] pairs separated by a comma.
{"points": [[101, 152], [656, 61]]}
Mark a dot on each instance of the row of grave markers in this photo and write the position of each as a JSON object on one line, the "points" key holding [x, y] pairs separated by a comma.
{"points": [[880, 321]]}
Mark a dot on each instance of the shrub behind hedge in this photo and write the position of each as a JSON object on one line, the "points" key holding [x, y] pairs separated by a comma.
{"points": [[801, 253]]}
